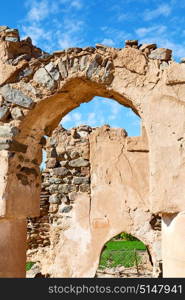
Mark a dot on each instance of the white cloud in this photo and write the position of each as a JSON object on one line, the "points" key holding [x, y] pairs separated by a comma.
{"points": [[108, 42], [162, 10], [76, 116], [36, 33], [143, 31], [38, 11], [122, 17], [77, 4], [66, 119], [115, 36], [62, 32]]}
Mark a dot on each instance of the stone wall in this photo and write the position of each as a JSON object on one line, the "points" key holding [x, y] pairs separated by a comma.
{"points": [[67, 172], [95, 186]]}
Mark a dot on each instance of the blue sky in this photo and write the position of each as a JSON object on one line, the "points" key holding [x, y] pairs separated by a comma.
{"points": [[59, 24]]}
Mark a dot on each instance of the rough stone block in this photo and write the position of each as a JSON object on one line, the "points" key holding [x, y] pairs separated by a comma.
{"points": [[42, 76], [79, 162], [15, 96], [161, 53]]}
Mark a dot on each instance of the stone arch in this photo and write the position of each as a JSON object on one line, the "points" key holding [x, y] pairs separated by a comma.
{"points": [[34, 85]]}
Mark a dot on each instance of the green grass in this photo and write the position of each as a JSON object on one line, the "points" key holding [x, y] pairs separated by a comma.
{"points": [[125, 245], [29, 264], [121, 253]]}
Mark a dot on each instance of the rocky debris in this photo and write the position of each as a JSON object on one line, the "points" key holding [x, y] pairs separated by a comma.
{"points": [[161, 54], [148, 46], [17, 113], [131, 43], [102, 47], [15, 96]]}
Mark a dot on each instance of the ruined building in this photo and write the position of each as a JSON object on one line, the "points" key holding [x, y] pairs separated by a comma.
{"points": [[38, 89], [95, 186]]}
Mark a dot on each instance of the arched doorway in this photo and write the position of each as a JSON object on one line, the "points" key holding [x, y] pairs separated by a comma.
{"points": [[124, 256]]}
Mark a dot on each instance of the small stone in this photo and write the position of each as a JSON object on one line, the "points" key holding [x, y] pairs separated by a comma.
{"points": [[85, 188], [83, 62], [75, 66], [66, 188], [85, 128], [79, 162], [64, 163], [15, 96], [61, 171], [62, 69], [74, 154], [41, 76], [66, 209], [65, 199], [182, 60], [161, 53], [53, 188], [4, 112], [51, 163], [54, 199], [17, 114], [131, 43], [89, 49], [7, 131], [93, 66], [80, 180], [101, 46], [148, 46], [53, 208], [53, 71], [55, 180]]}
